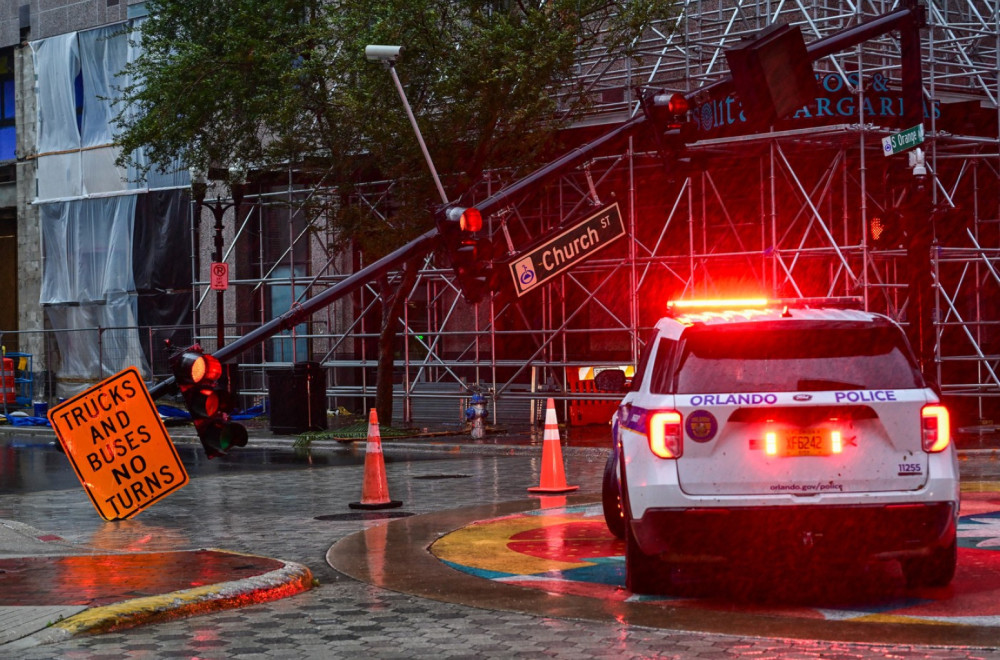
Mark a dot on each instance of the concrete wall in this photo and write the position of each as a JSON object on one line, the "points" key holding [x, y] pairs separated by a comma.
{"points": [[47, 18], [29, 245]]}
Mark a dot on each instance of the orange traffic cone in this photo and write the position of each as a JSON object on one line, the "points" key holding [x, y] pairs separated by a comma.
{"points": [[375, 490], [553, 476]]}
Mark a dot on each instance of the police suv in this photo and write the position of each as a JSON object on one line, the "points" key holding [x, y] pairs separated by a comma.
{"points": [[755, 428]]}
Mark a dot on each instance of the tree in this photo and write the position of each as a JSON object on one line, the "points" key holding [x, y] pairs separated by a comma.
{"points": [[267, 82]]}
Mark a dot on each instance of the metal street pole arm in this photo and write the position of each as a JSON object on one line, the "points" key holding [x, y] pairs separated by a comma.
{"points": [[420, 137], [421, 245], [556, 167]]}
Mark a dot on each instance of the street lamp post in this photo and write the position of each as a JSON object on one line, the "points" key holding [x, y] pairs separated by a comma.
{"points": [[199, 190]]}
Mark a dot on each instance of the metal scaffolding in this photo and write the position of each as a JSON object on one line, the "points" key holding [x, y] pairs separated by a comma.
{"points": [[787, 212]]}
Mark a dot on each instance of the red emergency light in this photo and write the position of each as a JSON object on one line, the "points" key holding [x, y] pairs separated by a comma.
{"points": [[721, 303]]}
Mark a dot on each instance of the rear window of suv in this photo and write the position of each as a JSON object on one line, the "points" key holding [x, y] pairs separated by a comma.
{"points": [[787, 357]]}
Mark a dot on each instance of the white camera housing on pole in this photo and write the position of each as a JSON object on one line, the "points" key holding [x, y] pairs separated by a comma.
{"points": [[389, 54]]}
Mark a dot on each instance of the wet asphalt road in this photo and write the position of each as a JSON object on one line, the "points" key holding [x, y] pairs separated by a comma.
{"points": [[34, 464], [296, 507]]}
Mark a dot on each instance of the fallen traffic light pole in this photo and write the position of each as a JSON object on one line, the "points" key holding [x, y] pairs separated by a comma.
{"points": [[297, 314]]}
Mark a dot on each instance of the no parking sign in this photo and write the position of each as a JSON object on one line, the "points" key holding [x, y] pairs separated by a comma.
{"points": [[219, 280]]}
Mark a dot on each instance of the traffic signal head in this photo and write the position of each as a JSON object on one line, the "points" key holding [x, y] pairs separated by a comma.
{"points": [[472, 261], [669, 112], [471, 258], [676, 105], [218, 435], [452, 219], [200, 379]]}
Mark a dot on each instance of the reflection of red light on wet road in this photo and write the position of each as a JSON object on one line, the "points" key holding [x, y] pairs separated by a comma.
{"points": [[104, 579], [571, 542], [570, 551], [975, 590]]}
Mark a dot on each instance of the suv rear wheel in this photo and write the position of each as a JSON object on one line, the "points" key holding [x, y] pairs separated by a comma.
{"points": [[611, 499]]}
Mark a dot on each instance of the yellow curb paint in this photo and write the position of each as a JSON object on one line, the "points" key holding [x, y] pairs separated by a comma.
{"points": [[188, 602], [890, 618], [980, 486]]}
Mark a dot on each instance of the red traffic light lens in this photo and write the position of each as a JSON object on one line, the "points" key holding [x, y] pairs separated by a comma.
{"points": [[471, 220], [196, 369], [678, 105], [203, 402], [201, 368], [189, 367], [192, 367], [213, 368]]}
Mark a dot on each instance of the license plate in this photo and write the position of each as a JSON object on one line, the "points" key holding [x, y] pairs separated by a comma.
{"points": [[807, 442]]}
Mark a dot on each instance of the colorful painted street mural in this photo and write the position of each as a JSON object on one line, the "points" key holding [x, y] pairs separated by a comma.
{"points": [[568, 550]]}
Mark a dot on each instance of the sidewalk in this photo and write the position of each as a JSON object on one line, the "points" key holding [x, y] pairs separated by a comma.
{"points": [[53, 589]]}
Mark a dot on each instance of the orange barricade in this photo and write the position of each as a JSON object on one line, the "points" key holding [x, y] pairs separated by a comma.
{"points": [[587, 411]]}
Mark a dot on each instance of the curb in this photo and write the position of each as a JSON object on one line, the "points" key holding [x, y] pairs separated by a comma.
{"points": [[292, 578]]}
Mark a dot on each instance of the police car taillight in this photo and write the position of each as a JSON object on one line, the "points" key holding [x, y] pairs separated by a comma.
{"points": [[666, 434], [935, 428]]}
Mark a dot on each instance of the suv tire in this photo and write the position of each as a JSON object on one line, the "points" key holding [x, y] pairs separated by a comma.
{"points": [[611, 498]]}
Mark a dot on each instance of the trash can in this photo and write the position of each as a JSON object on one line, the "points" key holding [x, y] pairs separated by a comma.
{"points": [[297, 398]]}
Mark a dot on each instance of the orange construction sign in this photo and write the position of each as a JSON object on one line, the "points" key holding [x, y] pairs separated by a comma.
{"points": [[118, 446]]}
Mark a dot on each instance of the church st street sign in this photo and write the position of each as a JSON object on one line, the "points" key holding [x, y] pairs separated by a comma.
{"points": [[567, 249]]}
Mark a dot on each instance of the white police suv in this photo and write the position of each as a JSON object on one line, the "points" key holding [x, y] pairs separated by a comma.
{"points": [[755, 429]]}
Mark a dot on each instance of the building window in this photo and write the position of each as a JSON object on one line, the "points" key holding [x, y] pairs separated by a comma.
{"points": [[8, 132]]}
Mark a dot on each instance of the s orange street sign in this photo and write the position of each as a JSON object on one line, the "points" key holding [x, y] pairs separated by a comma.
{"points": [[118, 446]]}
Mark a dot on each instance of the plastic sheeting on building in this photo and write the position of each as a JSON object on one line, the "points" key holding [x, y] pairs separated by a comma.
{"points": [[113, 251]]}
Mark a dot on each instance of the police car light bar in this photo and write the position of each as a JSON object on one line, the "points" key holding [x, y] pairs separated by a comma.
{"points": [[722, 303], [681, 306]]}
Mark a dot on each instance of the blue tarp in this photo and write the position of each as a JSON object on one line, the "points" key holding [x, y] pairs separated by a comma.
{"points": [[180, 413], [20, 420], [165, 411]]}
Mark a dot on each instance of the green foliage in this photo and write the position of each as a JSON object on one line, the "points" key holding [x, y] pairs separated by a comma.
{"points": [[267, 82]]}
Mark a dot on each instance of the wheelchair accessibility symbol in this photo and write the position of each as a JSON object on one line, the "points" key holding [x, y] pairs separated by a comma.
{"points": [[525, 273]]}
